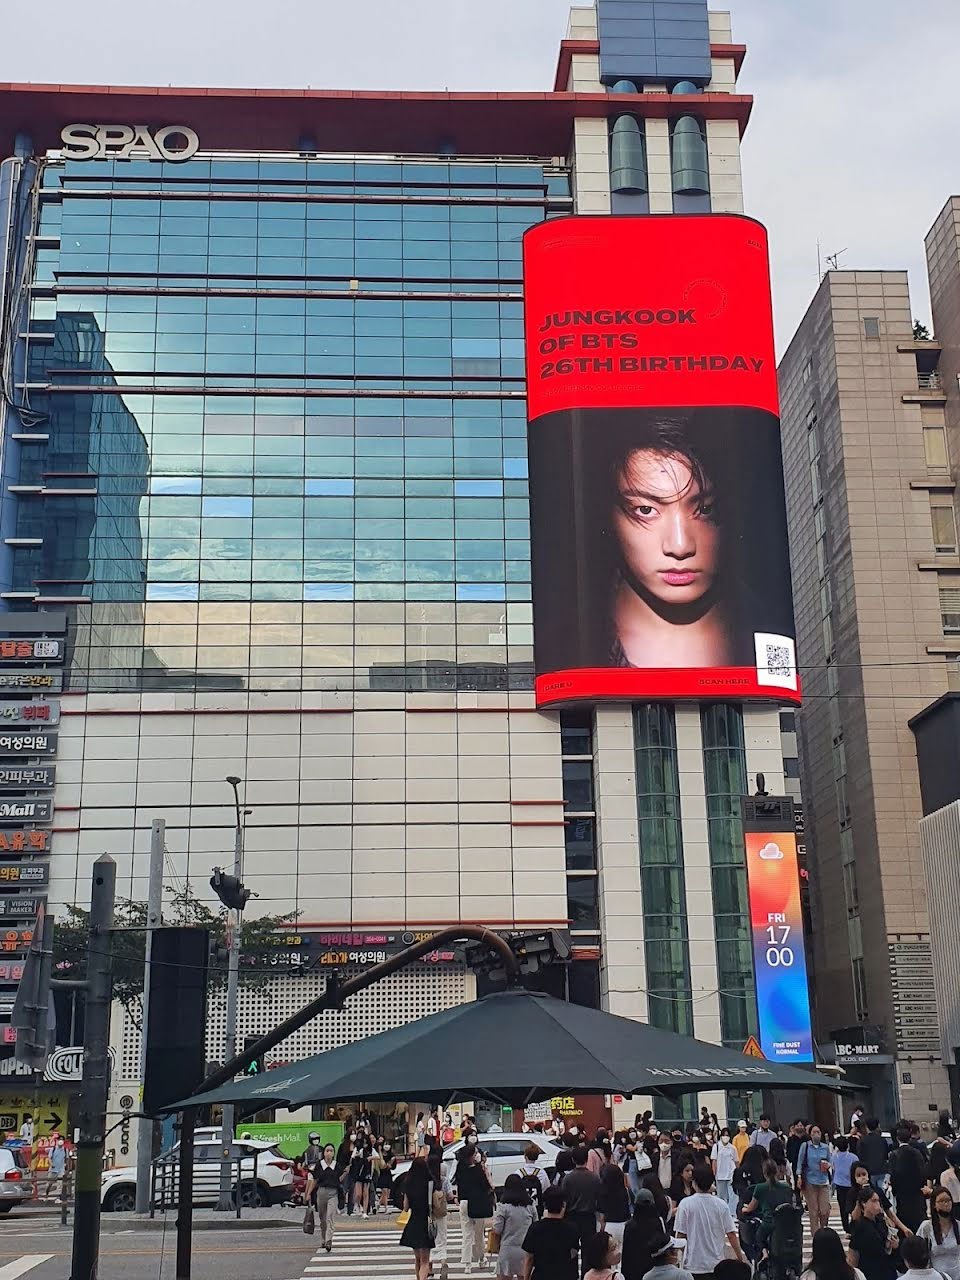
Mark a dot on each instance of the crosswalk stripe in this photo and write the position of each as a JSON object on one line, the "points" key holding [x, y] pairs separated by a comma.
{"points": [[20, 1266], [375, 1251]]}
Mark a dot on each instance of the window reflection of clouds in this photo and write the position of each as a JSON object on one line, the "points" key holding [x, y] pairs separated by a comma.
{"points": [[344, 504]]}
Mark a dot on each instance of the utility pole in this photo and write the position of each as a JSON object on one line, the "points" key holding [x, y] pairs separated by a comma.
{"points": [[234, 916], [94, 1085], [145, 1125]]}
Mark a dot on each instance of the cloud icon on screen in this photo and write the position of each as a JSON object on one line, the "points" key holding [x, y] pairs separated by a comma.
{"points": [[770, 852]]}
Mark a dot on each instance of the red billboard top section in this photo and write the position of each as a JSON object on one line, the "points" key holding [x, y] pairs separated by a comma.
{"points": [[652, 311]]}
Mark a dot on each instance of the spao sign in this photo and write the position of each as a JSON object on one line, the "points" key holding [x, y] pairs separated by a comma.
{"points": [[120, 141]]}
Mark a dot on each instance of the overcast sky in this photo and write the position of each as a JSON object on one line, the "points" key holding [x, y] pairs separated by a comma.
{"points": [[852, 140]]}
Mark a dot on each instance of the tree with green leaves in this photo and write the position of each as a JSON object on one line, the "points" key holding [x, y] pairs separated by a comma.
{"points": [[258, 945]]}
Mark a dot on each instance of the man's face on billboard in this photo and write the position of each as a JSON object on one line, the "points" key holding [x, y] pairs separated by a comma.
{"points": [[666, 527]]}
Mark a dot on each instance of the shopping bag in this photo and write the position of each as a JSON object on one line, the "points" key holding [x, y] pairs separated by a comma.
{"points": [[309, 1221]]}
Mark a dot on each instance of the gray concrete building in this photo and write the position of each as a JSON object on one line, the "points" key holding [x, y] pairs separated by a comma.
{"points": [[875, 574]]}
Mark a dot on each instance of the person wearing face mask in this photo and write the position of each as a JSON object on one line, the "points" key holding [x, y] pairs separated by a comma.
{"points": [[359, 1173], [723, 1160], [635, 1161], [668, 1161], [322, 1190], [740, 1140]]}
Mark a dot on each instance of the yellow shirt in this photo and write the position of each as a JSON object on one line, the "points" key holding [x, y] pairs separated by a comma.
{"points": [[740, 1141]]}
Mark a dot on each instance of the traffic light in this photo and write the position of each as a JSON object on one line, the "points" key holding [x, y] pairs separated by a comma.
{"points": [[256, 1067], [534, 952], [229, 889]]}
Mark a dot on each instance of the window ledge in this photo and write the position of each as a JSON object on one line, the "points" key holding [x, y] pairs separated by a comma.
{"points": [[945, 483], [942, 562], [926, 396]]}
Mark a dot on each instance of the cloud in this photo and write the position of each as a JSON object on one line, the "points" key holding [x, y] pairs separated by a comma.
{"points": [[851, 141], [771, 852], [852, 136]]}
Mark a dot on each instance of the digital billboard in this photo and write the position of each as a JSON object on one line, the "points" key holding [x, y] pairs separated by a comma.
{"points": [[658, 522], [779, 960]]}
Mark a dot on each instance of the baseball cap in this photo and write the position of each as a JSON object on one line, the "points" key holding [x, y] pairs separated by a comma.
{"points": [[663, 1243]]}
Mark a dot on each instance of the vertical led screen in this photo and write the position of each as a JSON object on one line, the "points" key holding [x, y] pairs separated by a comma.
{"points": [[658, 523], [779, 960]]}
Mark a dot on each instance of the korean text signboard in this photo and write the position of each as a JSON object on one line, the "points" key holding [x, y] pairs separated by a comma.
{"points": [[35, 650], [19, 777]]}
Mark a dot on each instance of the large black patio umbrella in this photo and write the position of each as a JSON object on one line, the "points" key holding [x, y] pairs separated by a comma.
{"points": [[513, 1047]]}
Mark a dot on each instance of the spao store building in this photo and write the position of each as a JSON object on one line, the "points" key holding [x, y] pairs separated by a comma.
{"points": [[264, 473]]}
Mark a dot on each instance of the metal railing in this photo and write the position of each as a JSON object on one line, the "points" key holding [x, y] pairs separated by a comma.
{"points": [[165, 1182], [64, 1201], [930, 381]]}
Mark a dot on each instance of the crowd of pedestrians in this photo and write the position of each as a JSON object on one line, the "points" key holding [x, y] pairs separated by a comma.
{"points": [[689, 1201], [355, 1177]]}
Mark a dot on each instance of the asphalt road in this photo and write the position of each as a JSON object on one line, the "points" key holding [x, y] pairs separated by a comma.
{"points": [[38, 1248]]}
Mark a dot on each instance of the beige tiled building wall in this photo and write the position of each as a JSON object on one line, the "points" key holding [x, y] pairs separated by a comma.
{"points": [[850, 376], [368, 809]]}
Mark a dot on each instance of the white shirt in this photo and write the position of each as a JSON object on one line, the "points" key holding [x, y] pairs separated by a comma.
{"points": [[725, 1154], [706, 1222], [809, 1275], [943, 1257], [26, 1131]]}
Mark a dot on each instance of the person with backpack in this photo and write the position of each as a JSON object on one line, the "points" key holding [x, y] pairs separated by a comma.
{"points": [[534, 1179], [767, 1197], [813, 1175], [514, 1216]]}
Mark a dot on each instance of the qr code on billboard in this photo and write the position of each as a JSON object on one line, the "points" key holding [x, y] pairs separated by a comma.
{"points": [[779, 660], [776, 660]]}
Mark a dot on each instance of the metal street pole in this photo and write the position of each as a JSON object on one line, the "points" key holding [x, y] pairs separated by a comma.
{"points": [[96, 1068], [145, 1126], [225, 1200]]}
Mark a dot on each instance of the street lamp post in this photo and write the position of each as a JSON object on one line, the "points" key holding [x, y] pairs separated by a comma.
{"points": [[224, 1201]]}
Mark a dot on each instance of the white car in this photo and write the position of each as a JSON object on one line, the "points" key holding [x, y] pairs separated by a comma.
{"points": [[504, 1152], [264, 1181], [14, 1178]]}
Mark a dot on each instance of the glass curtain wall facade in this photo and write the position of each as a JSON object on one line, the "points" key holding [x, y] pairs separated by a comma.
{"points": [[725, 777], [665, 930], [291, 393]]}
